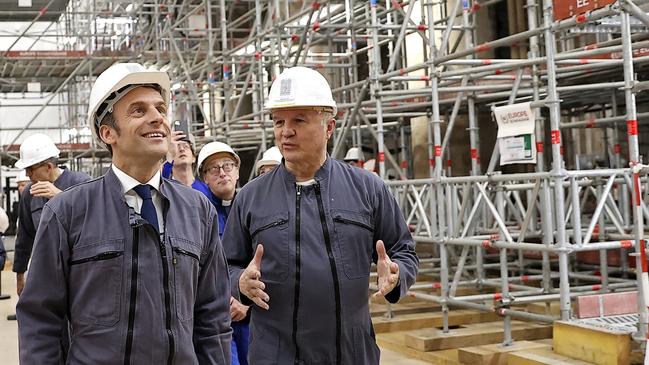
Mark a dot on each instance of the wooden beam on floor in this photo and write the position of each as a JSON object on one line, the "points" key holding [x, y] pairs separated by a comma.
{"points": [[595, 344], [429, 320], [541, 357], [495, 354], [474, 335], [395, 341]]}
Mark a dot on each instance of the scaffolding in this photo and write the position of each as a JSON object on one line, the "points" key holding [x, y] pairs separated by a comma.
{"points": [[406, 69]]}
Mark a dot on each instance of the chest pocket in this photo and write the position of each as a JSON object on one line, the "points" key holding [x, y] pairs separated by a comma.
{"points": [[186, 264], [272, 232], [96, 280], [354, 235]]}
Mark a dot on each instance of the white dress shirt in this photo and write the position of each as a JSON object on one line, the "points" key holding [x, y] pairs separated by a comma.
{"points": [[134, 200]]}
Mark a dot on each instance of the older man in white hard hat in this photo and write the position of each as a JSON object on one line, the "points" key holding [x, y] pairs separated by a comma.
{"points": [[134, 260], [218, 167], [39, 157], [314, 225], [271, 158]]}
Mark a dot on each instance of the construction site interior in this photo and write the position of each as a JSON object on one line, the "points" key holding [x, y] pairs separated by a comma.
{"points": [[537, 262]]}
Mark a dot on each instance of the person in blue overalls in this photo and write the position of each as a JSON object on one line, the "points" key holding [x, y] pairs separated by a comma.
{"points": [[218, 167]]}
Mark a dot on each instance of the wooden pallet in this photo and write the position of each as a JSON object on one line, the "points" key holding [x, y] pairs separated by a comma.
{"points": [[415, 321], [473, 335], [495, 354]]}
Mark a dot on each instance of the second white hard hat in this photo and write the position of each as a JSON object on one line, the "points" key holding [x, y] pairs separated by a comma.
{"points": [[22, 176], [354, 154], [213, 148], [272, 156], [299, 87], [36, 148]]}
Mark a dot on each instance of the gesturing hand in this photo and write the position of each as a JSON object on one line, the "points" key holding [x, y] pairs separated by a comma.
{"points": [[387, 270], [250, 283], [44, 189]]}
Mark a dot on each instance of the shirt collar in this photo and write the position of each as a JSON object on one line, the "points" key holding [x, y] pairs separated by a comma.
{"points": [[128, 182]]}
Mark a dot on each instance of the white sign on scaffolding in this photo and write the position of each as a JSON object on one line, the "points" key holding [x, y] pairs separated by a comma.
{"points": [[516, 139]]}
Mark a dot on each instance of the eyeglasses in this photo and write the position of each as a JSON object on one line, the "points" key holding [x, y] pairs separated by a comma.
{"points": [[214, 170]]}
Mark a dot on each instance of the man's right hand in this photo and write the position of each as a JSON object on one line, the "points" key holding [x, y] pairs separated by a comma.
{"points": [[176, 136], [250, 283], [20, 283]]}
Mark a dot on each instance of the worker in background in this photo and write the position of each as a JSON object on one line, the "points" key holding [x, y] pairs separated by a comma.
{"points": [[181, 161], [134, 260], [21, 181], [300, 239], [354, 157], [271, 158], [218, 166], [39, 157]]}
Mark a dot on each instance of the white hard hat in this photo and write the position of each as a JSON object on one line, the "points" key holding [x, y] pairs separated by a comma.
{"points": [[22, 176], [116, 82], [214, 148], [272, 156], [354, 154], [36, 148], [300, 87]]}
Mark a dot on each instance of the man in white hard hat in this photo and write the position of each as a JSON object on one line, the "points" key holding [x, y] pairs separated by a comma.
{"points": [[21, 182], [300, 239], [39, 157], [354, 157], [271, 158], [218, 167], [134, 260]]}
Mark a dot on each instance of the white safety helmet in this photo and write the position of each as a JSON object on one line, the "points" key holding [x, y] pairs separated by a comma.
{"points": [[298, 87], [36, 148], [272, 156], [354, 154], [116, 82], [22, 176], [213, 148]]}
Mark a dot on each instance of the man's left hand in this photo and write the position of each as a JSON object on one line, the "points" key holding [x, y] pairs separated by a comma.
{"points": [[238, 311], [44, 189], [387, 270]]}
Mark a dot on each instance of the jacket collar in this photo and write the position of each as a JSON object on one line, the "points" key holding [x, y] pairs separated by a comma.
{"points": [[321, 175]]}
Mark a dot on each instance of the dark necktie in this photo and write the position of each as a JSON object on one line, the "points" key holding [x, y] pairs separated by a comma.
{"points": [[148, 211]]}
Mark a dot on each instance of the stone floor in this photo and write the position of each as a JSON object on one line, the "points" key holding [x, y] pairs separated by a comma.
{"points": [[9, 329]]}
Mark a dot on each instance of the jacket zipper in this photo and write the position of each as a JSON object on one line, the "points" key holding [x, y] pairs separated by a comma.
{"points": [[269, 225], [349, 221], [102, 256], [334, 272], [165, 284], [296, 295], [133, 297]]}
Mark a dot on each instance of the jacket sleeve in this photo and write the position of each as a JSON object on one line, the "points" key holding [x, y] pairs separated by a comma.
{"points": [[167, 168], [26, 233], [391, 227], [237, 244], [212, 332], [42, 307]]}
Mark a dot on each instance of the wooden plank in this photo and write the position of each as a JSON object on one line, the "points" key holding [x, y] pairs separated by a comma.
{"points": [[475, 335], [542, 308], [377, 310], [541, 357], [598, 345], [395, 341], [428, 320], [494, 354]]}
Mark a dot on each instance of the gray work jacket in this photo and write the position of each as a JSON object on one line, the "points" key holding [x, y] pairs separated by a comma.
{"points": [[131, 296], [319, 243], [31, 208]]}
